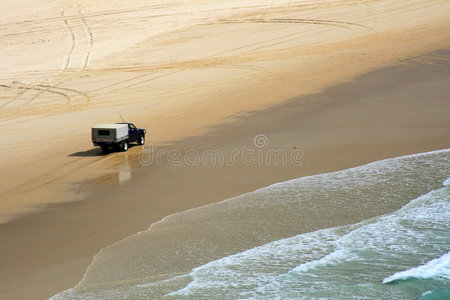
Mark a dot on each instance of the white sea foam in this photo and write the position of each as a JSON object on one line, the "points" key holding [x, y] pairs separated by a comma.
{"points": [[257, 266], [348, 254], [437, 268], [446, 182]]}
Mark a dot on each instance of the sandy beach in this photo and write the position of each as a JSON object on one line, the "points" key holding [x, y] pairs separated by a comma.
{"points": [[342, 83]]}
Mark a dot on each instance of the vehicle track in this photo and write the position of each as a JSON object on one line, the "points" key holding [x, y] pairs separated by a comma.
{"points": [[46, 88], [336, 23], [52, 87], [75, 40], [94, 14], [91, 39], [43, 88], [20, 93], [103, 13], [37, 95], [257, 69], [131, 82], [67, 97], [72, 46]]}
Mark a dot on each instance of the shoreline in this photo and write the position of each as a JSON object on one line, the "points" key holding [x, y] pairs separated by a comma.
{"points": [[346, 125], [244, 223]]}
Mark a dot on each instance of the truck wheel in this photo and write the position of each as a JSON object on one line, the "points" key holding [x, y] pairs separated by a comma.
{"points": [[141, 140], [124, 146]]}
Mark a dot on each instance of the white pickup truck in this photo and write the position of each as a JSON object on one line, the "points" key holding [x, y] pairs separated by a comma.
{"points": [[117, 135]]}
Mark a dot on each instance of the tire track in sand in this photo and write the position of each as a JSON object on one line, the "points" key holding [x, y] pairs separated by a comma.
{"points": [[75, 41], [52, 87], [335, 23], [72, 45], [18, 94], [64, 95], [46, 88], [65, 65], [91, 40], [41, 87]]}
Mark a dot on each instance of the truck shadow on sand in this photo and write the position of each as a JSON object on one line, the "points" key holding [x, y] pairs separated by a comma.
{"points": [[90, 152], [98, 152]]}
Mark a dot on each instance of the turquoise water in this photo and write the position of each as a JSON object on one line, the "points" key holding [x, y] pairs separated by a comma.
{"points": [[349, 261], [379, 231]]}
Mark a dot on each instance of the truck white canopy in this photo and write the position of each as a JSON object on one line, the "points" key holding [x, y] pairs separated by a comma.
{"points": [[110, 126]]}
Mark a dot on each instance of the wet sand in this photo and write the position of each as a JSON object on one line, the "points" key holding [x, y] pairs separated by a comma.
{"points": [[63, 201]]}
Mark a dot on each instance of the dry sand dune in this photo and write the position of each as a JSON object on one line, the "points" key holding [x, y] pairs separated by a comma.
{"points": [[177, 68]]}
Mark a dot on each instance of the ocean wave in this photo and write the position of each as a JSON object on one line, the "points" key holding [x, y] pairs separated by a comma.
{"points": [[436, 268], [328, 259]]}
